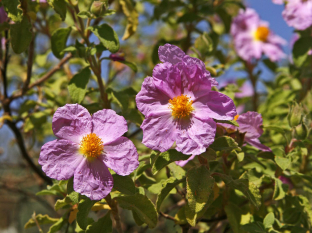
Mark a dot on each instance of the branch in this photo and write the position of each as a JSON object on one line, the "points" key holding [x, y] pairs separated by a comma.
{"points": [[29, 65], [167, 216], [21, 145], [113, 205], [5, 65], [43, 78]]}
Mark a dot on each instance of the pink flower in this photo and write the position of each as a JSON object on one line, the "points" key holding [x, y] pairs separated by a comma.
{"points": [[86, 146], [250, 123], [179, 105], [297, 13], [252, 37]]}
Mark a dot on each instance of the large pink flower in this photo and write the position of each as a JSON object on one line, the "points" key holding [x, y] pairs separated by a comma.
{"points": [[297, 13], [252, 37], [179, 105], [86, 147], [250, 123]]}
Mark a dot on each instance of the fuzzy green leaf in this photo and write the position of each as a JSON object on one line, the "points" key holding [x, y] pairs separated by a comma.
{"points": [[107, 36], [41, 219], [224, 144], [84, 207], [58, 41], [11, 6], [268, 220], [124, 184], [21, 35], [142, 206], [103, 225], [78, 84], [60, 7]]}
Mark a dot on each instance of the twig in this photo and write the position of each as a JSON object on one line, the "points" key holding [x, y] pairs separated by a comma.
{"points": [[166, 216], [213, 219], [113, 205], [28, 194], [5, 65], [29, 65]]}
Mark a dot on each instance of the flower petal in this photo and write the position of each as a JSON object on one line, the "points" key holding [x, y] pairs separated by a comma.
{"points": [[93, 179], [251, 124], [256, 143], [159, 131], [71, 122], [121, 156], [59, 159], [214, 105], [108, 125], [167, 79], [195, 136], [182, 163], [170, 53], [150, 98]]}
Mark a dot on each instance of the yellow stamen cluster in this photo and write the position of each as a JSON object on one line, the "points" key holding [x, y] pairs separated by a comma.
{"points": [[91, 146], [262, 33], [236, 117], [181, 106]]}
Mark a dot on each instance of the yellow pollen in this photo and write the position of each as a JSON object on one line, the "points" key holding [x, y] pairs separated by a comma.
{"points": [[91, 146], [262, 33], [236, 117], [181, 106]]}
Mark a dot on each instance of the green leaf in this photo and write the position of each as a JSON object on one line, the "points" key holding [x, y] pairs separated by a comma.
{"points": [[103, 225], [21, 35], [204, 43], [137, 219], [85, 15], [283, 163], [62, 203], [58, 41], [15, 13], [142, 206], [132, 18], [77, 86], [57, 226], [124, 184], [249, 189], [71, 194], [176, 171], [268, 220], [233, 213], [224, 144], [280, 190], [232, 122], [60, 7], [168, 185], [84, 207], [41, 219], [255, 227], [199, 186], [107, 36], [301, 49], [161, 160]]}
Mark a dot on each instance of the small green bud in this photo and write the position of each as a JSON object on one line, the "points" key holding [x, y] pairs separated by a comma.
{"points": [[295, 115], [301, 131], [98, 8]]}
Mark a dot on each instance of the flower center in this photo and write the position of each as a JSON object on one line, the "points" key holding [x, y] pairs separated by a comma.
{"points": [[181, 106], [236, 117], [91, 146], [262, 33]]}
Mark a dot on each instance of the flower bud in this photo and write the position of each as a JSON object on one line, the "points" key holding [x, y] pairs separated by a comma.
{"points": [[294, 115], [301, 131], [98, 8]]}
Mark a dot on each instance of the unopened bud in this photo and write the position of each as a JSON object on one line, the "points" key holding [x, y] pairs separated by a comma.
{"points": [[301, 131], [98, 8], [294, 115]]}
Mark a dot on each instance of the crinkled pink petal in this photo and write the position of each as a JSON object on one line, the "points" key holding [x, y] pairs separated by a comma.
{"points": [[93, 179], [170, 53], [256, 143], [60, 158], [251, 124], [182, 163], [71, 122], [159, 131], [273, 52], [244, 21], [167, 79], [108, 125], [121, 156], [192, 61], [214, 105], [150, 98], [195, 135]]}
